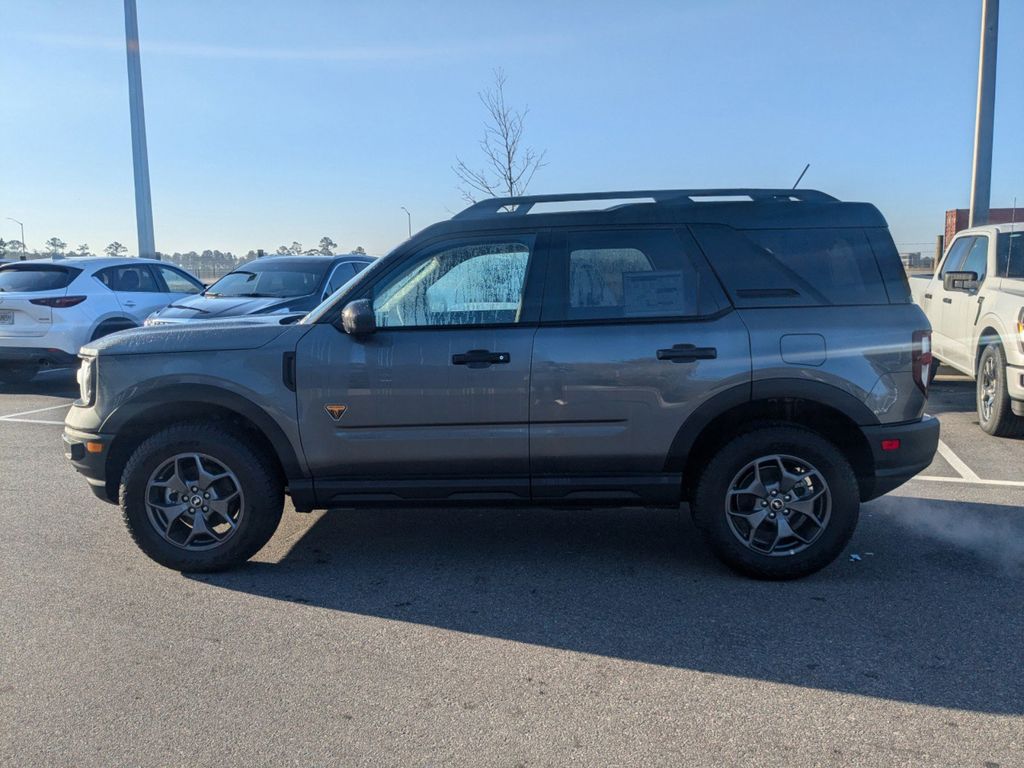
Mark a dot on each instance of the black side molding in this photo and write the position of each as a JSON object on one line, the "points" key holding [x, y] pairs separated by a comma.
{"points": [[288, 370]]}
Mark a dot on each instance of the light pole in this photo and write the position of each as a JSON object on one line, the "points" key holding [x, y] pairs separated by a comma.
{"points": [[409, 217], [140, 157], [23, 254], [981, 173]]}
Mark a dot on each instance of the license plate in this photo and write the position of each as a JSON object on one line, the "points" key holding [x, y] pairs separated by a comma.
{"points": [[6, 318]]}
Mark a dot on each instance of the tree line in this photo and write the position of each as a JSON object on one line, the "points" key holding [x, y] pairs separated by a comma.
{"points": [[206, 263]]}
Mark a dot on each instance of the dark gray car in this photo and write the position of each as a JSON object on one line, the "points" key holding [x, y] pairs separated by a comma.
{"points": [[752, 353]]}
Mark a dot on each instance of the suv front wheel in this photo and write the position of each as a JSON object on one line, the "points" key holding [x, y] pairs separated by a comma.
{"points": [[197, 498], [778, 502]]}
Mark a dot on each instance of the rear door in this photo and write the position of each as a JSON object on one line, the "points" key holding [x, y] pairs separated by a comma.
{"points": [[137, 289], [635, 335], [434, 404]]}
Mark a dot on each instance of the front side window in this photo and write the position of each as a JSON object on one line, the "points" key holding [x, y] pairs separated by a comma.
{"points": [[177, 282], [341, 275], [465, 284], [977, 258], [629, 274], [955, 256]]}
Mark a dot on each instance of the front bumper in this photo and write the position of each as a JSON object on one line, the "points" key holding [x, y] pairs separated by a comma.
{"points": [[41, 356], [918, 441], [88, 455]]}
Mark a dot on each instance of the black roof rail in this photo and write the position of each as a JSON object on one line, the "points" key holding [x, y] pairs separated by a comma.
{"points": [[519, 206]]}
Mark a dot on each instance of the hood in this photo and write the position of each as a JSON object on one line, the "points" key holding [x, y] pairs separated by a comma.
{"points": [[194, 337], [202, 307]]}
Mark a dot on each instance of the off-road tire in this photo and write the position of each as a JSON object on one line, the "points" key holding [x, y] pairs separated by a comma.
{"points": [[260, 480], [767, 439], [1001, 421]]}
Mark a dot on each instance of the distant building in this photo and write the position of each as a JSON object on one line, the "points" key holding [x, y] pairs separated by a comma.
{"points": [[911, 260], [957, 219]]}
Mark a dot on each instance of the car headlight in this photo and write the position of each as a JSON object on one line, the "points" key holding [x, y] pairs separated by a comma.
{"points": [[87, 382]]}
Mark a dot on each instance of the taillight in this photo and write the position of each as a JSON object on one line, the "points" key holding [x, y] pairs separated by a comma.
{"points": [[1020, 328], [922, 360], [61, 302]]}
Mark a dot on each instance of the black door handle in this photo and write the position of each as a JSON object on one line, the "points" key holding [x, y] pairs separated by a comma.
{"points": [[947, 300], [927, 295], [481, 358], [687, 353]]}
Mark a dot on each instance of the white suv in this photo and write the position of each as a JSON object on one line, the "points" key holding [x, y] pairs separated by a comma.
{"points": [[49, 308]]}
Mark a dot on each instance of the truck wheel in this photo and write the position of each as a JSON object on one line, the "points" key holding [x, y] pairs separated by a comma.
{"points": [[778, 502], [197, 498], [18, 374], [995, 414]]}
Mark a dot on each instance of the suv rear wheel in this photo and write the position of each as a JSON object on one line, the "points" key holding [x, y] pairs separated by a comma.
{"points": [[995, 414], [196, 498], [778, 502]]}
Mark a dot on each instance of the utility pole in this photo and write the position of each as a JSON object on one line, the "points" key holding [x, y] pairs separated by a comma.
{"points": [[24, 247], [981, 173], [409, 217], [140, 157]]}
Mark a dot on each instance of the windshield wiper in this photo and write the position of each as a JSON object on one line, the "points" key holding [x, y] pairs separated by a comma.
{"points": [[183, 306]]}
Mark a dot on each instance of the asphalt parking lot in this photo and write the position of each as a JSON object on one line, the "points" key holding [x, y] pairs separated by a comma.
{"points": [[512, 637]]}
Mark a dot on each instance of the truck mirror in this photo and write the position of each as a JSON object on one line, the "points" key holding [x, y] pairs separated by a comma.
{"points": [[358, 319], [960, 281]]}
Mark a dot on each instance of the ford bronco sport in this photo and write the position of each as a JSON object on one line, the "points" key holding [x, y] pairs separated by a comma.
{"points": [[754, 354]]}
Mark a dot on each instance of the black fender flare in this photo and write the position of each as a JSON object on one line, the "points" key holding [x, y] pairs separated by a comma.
{"points": [[209, 395], [763, 389]]}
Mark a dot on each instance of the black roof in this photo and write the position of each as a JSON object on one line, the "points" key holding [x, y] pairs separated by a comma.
{"points": [[307, 260], [738, 208]]}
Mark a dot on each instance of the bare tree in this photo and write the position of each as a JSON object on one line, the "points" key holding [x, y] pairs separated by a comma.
{"points": [[509, 165]]}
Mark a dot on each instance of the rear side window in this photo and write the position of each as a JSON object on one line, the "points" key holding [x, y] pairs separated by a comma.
{"points": [[129, 279], [624, 274], [1010, 255], [31, 278], [794, 267]]}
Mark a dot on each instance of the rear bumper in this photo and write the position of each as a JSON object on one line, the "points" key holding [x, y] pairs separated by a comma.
{"points": [[918, 441], [40, 356], [91, 464]]}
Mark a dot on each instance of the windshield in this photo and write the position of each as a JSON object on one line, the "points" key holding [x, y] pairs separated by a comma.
{"points": [[330, 301], [277, 280], [36, 277]]}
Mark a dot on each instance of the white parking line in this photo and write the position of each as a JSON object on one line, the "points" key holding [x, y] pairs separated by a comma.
{"points": [[10, 420], [957, 463], [969, 481], [17, 418]]}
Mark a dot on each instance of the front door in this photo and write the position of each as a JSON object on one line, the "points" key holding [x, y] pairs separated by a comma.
{"points": [[434, 404], [960, 314], [635, 336], [941, 311]]}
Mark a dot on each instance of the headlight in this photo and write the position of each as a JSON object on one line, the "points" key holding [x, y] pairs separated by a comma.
{"points": [[87, 381]]}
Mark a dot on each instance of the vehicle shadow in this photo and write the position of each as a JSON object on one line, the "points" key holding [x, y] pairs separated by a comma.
{"points": [[927, 614], [55, 382]]}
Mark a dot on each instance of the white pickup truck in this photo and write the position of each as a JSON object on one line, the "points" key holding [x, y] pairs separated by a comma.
{"points": [[975, 303]]}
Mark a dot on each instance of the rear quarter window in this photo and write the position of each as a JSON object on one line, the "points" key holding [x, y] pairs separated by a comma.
{"points": [[33, 278], [794, 267]]}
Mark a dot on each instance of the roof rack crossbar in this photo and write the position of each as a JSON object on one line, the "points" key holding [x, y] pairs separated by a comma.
{"points": [[520, 206]]}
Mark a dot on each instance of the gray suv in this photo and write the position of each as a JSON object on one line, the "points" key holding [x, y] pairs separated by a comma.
{"points": [[753, 354]]}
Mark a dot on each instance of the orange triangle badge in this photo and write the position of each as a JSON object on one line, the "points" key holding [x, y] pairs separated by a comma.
{"points": [[336, 411]]}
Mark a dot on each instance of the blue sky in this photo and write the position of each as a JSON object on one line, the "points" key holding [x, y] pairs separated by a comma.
{"points": [[277, 121]]}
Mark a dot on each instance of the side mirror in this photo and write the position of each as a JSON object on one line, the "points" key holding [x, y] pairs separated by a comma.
{"points": [[357, 318], [960, 281]]}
